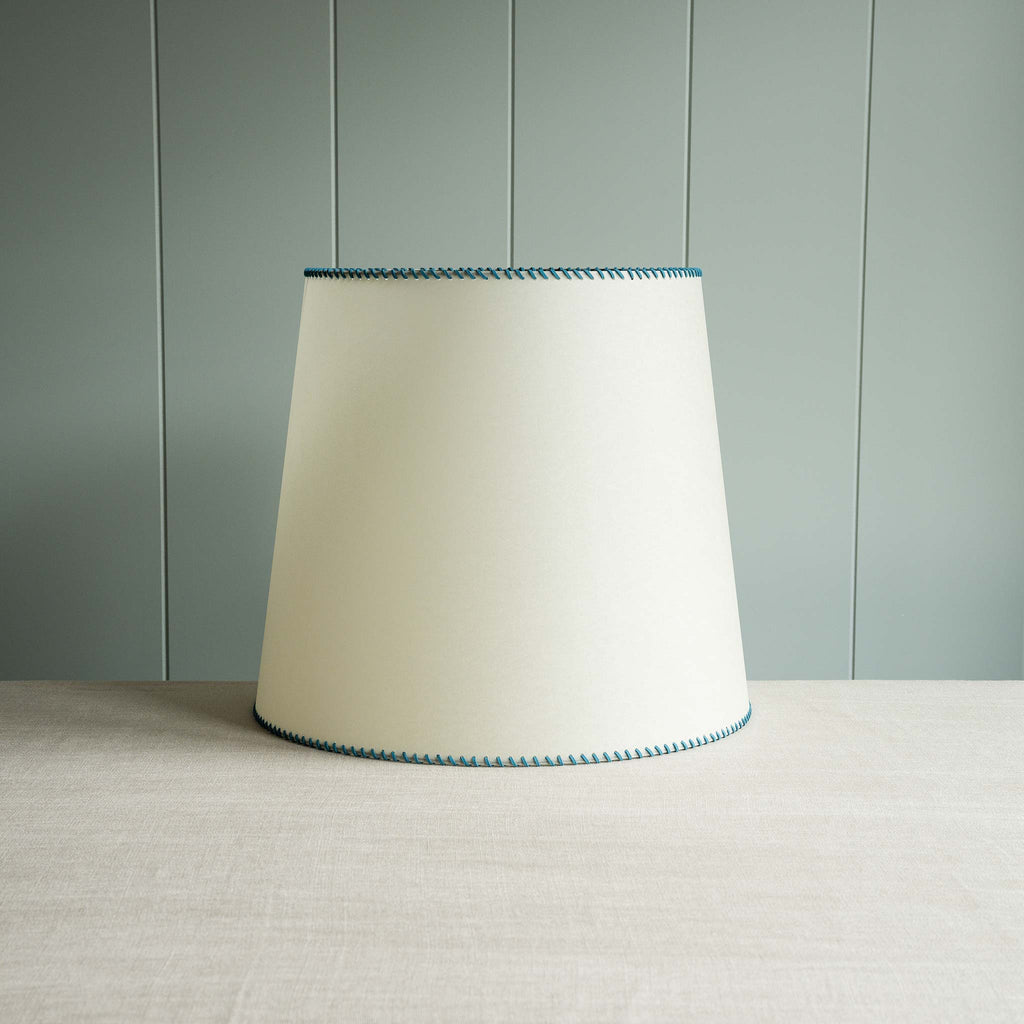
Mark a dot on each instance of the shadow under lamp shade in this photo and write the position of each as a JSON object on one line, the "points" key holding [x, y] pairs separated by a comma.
{"points": [[502, 537]]}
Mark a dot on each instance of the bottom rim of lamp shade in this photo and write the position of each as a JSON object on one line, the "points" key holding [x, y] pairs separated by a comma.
{"points": [[534, 761]]}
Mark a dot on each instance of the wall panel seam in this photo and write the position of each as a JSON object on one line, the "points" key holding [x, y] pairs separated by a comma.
{"points": [[333, 33], [160, 341], [510, 241], [686, 132], [854, 554]]}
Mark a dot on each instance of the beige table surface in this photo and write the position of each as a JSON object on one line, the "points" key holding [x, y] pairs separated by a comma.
{"points": [[854, 853]]}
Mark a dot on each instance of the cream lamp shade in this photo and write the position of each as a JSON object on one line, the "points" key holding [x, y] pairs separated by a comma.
{"points": [[502, 536]]}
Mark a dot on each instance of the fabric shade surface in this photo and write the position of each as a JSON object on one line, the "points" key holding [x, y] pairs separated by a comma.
{"points": [[502, 534]]}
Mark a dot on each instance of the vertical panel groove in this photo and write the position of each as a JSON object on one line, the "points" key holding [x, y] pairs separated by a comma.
{"points": [[333, 31], [686, 131], [511, 130], [860, 343], [160, 348]]}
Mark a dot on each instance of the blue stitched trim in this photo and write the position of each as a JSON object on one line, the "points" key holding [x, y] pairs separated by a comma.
{"points": [[501, 273], [522, 761]]}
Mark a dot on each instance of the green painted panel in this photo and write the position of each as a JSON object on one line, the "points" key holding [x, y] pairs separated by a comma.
{"points": [[79, 462], [423, 133], [246, 157], [777, 159], [600, 126], [941, 564]]}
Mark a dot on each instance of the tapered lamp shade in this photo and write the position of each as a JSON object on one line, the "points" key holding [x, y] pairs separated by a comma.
{"points": [[502, 537]]}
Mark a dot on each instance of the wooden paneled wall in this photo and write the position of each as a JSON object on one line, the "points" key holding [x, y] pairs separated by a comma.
{"points": [[846, 174]]}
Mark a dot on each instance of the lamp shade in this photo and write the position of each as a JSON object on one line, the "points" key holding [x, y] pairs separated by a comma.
{"points": [[502, 536]]}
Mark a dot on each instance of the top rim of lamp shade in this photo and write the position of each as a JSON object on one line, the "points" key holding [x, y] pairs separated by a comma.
{"points": [[500, 273]]}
